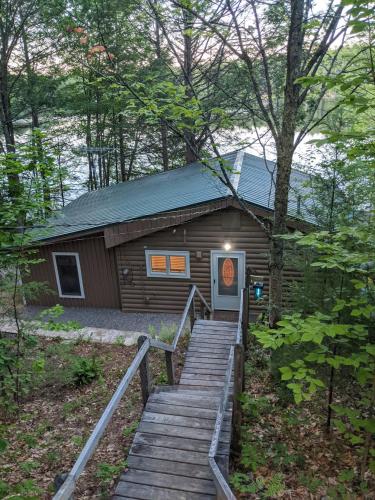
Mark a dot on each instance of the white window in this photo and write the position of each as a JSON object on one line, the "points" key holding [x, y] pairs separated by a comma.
{"points": [[167, 264], [68, 275]]}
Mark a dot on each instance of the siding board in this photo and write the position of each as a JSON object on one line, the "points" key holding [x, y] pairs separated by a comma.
{"points": [[99, 274]]}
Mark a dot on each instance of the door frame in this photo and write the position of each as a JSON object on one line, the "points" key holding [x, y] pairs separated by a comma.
{"points": [[228, 253]]}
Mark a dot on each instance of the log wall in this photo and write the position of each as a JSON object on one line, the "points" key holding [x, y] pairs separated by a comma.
{"points": [[144, 294]]}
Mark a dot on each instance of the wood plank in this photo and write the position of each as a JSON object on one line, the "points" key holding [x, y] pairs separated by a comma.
{"points": [[185, 400], [205, 385], [208, 331], [178, 468], [183, 411], [206, 357], [160, 418], [184, 432], [203, 376], [144, 492], [201, 383], [161, 479], [213, 337], [211, 342], [216, 345], [212, 330], [224, 351], [177, 443], [203, 370], [209, 391], [211, 322], [183, 456], [209, 363]]}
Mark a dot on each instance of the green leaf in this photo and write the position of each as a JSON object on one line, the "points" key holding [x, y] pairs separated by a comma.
{"points": [[3, 445], [286, 373]]}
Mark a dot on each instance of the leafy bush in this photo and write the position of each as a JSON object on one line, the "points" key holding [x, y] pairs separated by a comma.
{"points": [[262, 487], [85, 370], [48, 320], [254, 407], [252, 456]]}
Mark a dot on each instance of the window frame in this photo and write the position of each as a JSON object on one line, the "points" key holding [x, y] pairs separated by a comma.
{"points": [[168, 273], [78, 264]]}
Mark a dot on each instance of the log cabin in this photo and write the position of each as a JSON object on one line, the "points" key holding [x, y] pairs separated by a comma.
{"points": [[137, 245]]}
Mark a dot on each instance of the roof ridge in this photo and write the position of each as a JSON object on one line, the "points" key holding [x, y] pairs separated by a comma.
{"points": [[236, 171]]}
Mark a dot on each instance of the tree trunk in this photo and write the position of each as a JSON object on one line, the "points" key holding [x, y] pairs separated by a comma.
{"points": [[284, 166], [164, 146], [190, 139], [121, 148], [285, 150], [90, 158], [35, 125], [163, 127], [6, 120]]}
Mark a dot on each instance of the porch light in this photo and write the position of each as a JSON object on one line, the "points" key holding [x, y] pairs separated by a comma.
{"points": [[258, 290], [227, 246]]}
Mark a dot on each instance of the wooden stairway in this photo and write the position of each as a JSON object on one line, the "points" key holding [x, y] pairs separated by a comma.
{"points": [[168, 459]]}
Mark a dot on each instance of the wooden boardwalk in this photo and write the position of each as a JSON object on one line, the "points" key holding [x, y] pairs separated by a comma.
{"points": [[168, 459]]}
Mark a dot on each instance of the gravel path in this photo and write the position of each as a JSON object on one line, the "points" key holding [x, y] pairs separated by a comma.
{"points": [[112, 318]]}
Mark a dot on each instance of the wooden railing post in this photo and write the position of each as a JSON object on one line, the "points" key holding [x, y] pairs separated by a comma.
{"points": [[144, 372], [192, 310], [237, 389], [170, 367], [203, 311], [245, 316]]}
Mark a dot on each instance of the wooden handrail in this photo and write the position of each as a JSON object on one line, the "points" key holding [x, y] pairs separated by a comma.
{"points": [[222, 486], [236, 362], [67, 488]]}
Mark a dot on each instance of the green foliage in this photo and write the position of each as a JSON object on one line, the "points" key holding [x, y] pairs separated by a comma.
{"points": [[130, 429], [253, 455], [166, 332], [107, 472], [48, 320], [264, 488], [283, 459], [23, 204], [28, 466], [254, 407], [23, 489], [85, 370], [310, 482], [340, 339]]}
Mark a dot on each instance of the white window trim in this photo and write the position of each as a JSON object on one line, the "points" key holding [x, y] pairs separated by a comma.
{"points": [[61, 295], [167, 274]]}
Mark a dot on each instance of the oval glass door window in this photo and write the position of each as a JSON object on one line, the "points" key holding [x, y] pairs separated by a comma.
{"points": [[228, 276]]}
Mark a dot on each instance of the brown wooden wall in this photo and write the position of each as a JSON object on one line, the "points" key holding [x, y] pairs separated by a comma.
{"points": [[99, 273], [141, 293]]}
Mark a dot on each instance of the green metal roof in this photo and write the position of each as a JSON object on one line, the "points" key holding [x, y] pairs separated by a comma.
{"points": [[166, 191]]}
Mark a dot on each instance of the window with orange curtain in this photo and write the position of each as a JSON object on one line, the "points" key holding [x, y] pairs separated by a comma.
{"points": [[158, 263], [177, 264], [168, 263]]}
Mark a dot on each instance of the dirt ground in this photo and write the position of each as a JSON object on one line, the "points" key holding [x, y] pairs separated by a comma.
{"points": [[56, 418]]}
